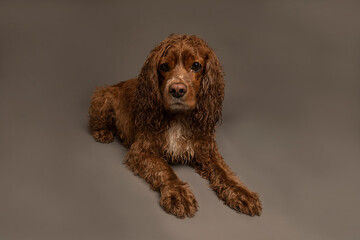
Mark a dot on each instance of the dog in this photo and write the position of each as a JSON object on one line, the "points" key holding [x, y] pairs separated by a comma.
{"points": [[167, 115]]}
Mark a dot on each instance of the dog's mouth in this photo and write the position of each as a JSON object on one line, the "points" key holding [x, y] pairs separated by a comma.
{"points": [[178, 106], [173, 104]]}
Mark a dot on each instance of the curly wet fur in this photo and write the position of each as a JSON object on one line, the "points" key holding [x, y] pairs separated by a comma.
{"points": [[134, 110]]}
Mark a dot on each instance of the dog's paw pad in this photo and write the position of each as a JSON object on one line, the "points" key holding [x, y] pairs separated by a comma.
{"points": [[179, 201], [103, 136]]}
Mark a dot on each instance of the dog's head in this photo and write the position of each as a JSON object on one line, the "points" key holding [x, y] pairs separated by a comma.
{"points": [[182, 74]]}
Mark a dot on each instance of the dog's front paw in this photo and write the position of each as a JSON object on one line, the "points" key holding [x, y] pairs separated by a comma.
{"points": [[178, 200], [103, 136], [244, 201]]}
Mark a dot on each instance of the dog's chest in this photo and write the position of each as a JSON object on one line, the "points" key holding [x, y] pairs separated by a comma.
{"points": [[179, 144]]}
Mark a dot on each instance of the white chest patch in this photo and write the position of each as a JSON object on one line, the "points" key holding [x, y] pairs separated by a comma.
{"points": [[179, 144]]}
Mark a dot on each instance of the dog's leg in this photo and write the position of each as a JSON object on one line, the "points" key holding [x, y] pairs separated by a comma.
{"points": [[101, 122], [226, 185], [176, 197]]}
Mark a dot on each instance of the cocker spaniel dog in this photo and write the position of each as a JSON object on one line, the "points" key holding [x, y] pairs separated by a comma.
{"points": [[167, 115]]}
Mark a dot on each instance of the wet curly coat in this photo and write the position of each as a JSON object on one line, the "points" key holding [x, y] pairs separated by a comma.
{"points": [[168, 115]]}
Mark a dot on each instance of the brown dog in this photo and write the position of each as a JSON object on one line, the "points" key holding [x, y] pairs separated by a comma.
{"points": [[168, 115]]}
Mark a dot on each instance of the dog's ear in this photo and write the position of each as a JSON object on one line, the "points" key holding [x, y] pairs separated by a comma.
{"points": [[149, 112], [149, 107], [208, 109]]}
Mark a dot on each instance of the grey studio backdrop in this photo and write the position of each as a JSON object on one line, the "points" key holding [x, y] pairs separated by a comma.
{"points": [[290, 126]]}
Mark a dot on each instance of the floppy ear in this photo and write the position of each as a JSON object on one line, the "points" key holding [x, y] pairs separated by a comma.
{"points": [[149, 110], [210, 97]]}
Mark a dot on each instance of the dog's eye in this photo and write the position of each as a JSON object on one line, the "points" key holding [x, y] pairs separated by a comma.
{"points": [[196, 66], [164, 67]]}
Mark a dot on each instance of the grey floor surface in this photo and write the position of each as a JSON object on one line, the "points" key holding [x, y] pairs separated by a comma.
{"points": [[291, 125]]}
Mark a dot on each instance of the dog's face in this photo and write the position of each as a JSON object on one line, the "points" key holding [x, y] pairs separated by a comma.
{"points": [[180, 71]]}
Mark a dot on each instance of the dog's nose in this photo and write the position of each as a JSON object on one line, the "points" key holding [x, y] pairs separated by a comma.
{"points": [[177, 90]]}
